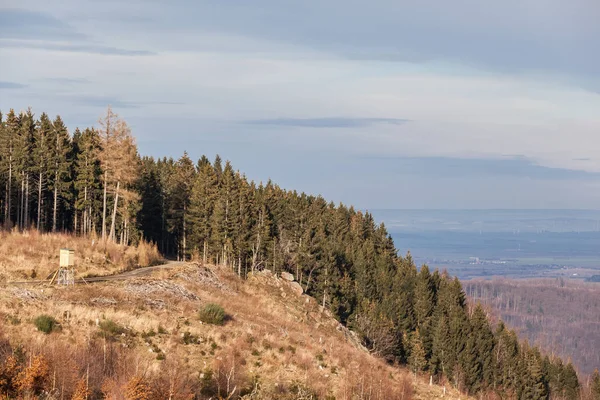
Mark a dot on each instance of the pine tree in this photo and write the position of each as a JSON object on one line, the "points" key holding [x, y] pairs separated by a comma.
{"points": [[182, 183], [41, 160], [424, 298], [484, 341], [23, 164], [60, 169], [7, 157], [571, 383], [87, 177], [442, 357], [470, 366], [202, 201], [416, 360]]}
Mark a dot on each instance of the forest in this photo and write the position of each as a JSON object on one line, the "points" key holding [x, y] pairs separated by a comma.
{"points": [[94, 183], [560, 315]]}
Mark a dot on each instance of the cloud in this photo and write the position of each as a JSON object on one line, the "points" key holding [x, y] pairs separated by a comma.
{"points": [[89, 48], [449, 167], [115, 102], [329, 122], [101, 101], [65, 81], [11, 85], [509, 36], [25, 24]]}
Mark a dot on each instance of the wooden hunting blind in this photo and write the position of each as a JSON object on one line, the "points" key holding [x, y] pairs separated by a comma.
{"points": [[67, 258]]}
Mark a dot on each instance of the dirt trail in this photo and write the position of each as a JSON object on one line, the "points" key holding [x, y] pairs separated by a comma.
{"points": [[135, 273]]}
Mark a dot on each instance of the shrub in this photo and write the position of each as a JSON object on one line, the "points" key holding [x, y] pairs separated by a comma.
{"points": [[46, 323], [109, 328], [212, 314], [189, 338]]}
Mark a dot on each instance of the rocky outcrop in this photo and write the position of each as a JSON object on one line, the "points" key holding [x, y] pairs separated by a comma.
{"points": [[287, 276]]}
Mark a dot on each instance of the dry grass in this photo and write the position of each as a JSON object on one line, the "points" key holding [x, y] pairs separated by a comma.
{"points": [[35, 255], [275, 344]]}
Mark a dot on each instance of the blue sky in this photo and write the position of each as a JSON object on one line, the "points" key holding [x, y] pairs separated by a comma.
{"points": [[381, 104]]}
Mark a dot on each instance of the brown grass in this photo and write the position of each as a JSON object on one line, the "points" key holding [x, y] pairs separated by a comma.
{"points": [[275, 344], [35, 255]]}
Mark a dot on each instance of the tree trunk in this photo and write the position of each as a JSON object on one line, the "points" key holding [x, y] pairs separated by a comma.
{"points": [[9, 190], [26, 221], [114, 214], [6, 203], [104, 209], [55, 203], [20, 215], [85, 210], [39, 211], [184, 243]]}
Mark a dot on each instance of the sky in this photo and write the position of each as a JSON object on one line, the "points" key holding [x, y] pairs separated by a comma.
{"points": [[379, 104]]}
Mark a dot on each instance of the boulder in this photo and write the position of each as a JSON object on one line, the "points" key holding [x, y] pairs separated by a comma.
{"points": [[296, 288], [287, 276]]}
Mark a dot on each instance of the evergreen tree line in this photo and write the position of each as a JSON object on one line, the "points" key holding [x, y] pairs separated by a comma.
{"points": [[94, 183], [82, 183]]}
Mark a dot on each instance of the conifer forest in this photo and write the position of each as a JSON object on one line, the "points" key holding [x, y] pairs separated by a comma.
{"points": [[92, 182]]}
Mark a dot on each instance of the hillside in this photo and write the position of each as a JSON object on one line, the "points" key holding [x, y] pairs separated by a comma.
{"points": [[275, 343], [94, 185], [33, 255], [562, 316]]}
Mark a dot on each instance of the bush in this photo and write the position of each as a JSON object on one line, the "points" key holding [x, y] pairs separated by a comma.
{"points": [[109, 328], [212, 314], [189, 338], [46, 323]]}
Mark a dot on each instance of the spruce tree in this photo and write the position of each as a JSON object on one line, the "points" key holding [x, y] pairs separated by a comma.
{"points": [[416, 360], [181, 188], [87, 178], [41, 160], [7, 158], [485, 343], [60, 169], [571, 383], [202, 201]]}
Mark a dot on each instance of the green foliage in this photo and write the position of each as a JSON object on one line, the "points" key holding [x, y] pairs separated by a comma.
{"points": [[110, 329], [212, 314], [339, 255], [416, 360], [46, 323]]}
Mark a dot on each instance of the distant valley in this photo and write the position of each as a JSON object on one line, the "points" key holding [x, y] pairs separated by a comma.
{"points": [[508, 243]]}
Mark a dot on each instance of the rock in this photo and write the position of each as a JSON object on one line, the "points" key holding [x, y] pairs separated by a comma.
{"points": [[296, 288], [287, 276]]}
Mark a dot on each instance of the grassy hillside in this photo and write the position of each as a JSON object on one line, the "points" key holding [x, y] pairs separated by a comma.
{"points": [[34, 255], [146, 335]]}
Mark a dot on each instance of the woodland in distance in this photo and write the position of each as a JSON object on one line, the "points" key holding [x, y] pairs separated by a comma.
{"points": [[94, 183]]}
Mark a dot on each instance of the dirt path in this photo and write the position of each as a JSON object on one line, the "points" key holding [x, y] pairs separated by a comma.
{"points": [[135, 273]]}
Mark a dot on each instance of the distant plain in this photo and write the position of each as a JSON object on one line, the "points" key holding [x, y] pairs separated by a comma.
{"points": [[508, 243]]}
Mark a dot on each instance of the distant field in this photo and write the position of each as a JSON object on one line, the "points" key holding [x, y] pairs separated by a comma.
{"points": [[512, 243]]}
